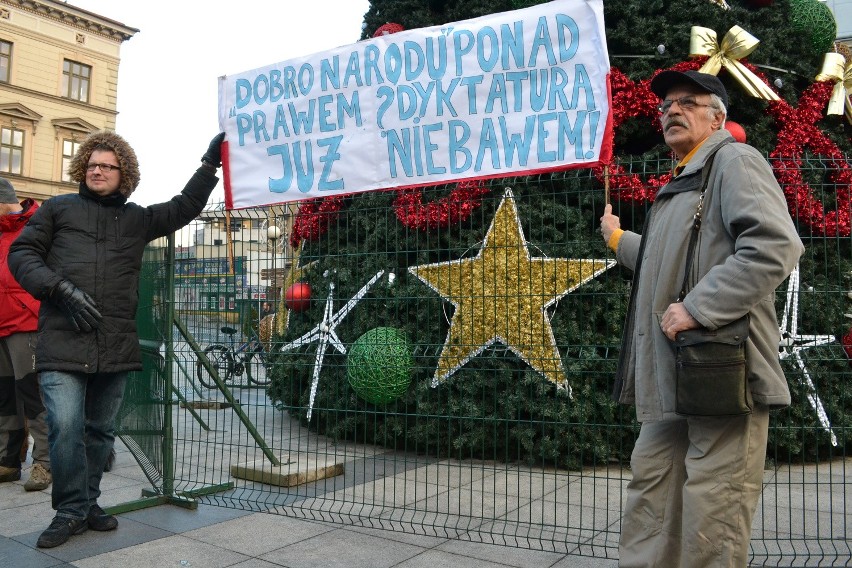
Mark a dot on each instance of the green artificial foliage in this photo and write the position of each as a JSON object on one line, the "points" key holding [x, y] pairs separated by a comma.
{"points": [[635, 30], [495, 407], [410, 14]]}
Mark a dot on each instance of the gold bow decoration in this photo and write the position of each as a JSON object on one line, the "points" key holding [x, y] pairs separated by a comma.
{"points": [[836, 68], [736, 44]]}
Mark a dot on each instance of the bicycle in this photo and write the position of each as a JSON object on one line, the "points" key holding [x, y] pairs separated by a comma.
{"points": [[230, 361]]}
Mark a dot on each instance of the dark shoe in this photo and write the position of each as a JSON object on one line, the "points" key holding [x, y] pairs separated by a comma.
{"points": [[9, 473], [99, 520], [60, 530]]}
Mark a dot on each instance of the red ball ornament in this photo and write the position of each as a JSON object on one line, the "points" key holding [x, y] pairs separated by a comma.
{"points": [[736, 131], [387, 29], [298, 296]]}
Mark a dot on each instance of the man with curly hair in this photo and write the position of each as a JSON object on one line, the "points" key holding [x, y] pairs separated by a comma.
{"points": [[81, 255]]}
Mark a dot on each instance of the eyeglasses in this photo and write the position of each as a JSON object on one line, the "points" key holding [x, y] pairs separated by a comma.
{"points": [[686, 103], [105, 168]]}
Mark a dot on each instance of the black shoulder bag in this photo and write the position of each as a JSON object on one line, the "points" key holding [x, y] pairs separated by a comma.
{"points": [[711, 365]]}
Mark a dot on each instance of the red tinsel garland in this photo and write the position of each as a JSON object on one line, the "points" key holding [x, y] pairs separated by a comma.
{"points": [[797, 130], [846, 342], [454, 208], [632, 100], [313, 218]]}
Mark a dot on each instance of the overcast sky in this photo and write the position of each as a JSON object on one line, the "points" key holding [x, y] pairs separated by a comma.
{"points": [[167, 82]]}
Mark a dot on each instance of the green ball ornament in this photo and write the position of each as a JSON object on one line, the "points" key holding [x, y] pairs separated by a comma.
{"points": [[814, 20], [379, 365]]}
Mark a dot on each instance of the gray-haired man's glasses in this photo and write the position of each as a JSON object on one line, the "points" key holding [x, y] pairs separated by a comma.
{"points": [[685, 103], [105, 168]]}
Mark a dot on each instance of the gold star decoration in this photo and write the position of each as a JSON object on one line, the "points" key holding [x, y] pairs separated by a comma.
{"points": [[502, 295]]}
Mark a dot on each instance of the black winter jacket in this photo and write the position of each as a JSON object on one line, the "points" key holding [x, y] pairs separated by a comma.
{"points": [[96, 243]]}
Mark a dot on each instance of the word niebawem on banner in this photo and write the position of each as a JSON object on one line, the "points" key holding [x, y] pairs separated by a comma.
{"points": [[506, 94]]}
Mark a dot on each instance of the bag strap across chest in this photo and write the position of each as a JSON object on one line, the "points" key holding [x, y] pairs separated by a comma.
{"points": [[696, 221]]}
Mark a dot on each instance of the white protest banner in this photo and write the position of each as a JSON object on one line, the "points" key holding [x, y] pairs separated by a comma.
{"points": [[506, 94]]}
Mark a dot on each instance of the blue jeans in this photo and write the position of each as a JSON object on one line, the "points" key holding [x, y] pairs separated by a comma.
{"points": [[81, 411]]}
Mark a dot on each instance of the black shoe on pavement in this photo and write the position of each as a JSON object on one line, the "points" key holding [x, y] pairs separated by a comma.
{"points": [[99, 520], [60, 530]]}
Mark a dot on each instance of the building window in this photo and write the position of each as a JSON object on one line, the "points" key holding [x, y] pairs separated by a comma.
{"points": [[11, 150], [69, 149], [75, 80], [5, 60]]}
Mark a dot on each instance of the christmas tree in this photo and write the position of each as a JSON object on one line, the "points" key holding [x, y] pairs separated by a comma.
{"points": [[509, 355]]}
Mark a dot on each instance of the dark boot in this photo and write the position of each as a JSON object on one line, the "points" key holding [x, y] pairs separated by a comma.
{"points": [[10, 473], [99, 520], [60, 530]]}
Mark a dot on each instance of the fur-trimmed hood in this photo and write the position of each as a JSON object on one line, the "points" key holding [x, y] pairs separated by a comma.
{"points": [[106, 140]]}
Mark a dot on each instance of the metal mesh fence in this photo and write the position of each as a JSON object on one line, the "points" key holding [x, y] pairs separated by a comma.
{"points": [[405, 383]]}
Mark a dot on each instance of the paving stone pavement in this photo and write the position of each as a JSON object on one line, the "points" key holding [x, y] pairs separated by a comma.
{"points": [[215, 536], [802, 519]]}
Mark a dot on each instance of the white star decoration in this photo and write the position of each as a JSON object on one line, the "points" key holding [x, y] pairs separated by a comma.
{"points": [[325, 333], [721, 3], [792, 345]]}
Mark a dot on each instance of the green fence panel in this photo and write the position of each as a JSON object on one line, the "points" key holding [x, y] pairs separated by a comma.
{"points": [[441, 363]]}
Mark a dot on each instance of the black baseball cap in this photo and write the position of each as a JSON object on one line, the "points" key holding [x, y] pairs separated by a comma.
{"points": [[664, 81]]}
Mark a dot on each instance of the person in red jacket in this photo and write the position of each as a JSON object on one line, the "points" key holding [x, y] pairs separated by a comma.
{"points": [[20, 397]]}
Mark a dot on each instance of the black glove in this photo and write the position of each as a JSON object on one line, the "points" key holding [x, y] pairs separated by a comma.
{"points": [[213, 155], [78, 306]]}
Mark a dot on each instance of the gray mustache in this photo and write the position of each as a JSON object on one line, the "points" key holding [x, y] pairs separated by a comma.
{"points": [[675, 123]]}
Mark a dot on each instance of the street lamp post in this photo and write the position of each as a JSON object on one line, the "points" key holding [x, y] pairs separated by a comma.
{"points": [[273, 233]]}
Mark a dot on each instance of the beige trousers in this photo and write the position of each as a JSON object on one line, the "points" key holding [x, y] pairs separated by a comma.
{"points": [[696, 483]]}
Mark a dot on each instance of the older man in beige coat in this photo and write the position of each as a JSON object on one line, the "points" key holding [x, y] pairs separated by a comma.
{"points": [[696, 480]]}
